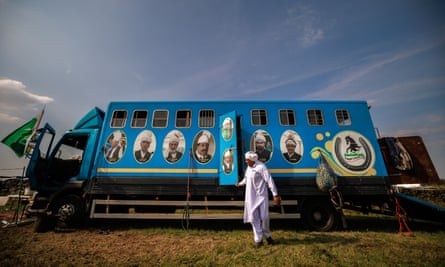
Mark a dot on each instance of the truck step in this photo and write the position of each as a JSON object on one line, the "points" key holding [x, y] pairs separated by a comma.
{"points": [[197, 210]]}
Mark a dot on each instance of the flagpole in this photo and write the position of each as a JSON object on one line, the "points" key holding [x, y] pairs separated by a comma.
{"points": [[34, 129], [19, 201]]}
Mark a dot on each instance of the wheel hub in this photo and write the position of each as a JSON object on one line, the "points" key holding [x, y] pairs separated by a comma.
{"points": [[66, 212]]}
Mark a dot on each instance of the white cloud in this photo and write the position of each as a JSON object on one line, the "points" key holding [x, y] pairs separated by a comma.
{"points": [[16, 99], [307, 24], [9, 118]]}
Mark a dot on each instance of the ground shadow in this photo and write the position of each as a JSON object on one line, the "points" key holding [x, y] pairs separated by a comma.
{"points": [[363, 223]]}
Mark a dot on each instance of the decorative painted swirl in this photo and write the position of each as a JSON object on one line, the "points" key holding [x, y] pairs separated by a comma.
{"points": [[316, 153]]}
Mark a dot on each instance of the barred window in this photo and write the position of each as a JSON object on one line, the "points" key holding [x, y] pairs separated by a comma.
{"points": [[139, 119], [315, 117], [259, 117], [119, 118], [183, 118], [343, 117], [287, 117], [160, 119], [206, 118]]}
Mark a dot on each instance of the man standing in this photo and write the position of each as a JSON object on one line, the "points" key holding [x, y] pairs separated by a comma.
{"points": [[256, 206]]}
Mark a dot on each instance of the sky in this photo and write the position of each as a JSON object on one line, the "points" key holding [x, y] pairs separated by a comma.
{"points": [[70, 56]]}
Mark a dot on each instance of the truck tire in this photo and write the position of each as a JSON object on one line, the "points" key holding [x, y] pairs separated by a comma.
{"points": [[320, 215], [69, 211], [44, 223]]}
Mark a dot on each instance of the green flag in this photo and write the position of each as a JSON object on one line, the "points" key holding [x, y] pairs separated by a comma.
{"points": [[17, 139]]}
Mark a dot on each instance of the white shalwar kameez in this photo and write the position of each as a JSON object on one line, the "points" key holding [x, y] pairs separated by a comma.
{"points": [[256, 207]]}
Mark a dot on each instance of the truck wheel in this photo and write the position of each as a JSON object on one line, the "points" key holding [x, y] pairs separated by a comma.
{"points": [[44, 223], [320, 215], [69, 211]]}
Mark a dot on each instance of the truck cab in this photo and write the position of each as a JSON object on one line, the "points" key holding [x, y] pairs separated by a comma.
{"points": [[60, 172]]}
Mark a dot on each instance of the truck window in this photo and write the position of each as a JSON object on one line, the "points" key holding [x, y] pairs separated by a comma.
{"points": [[119, 118], [315, 117], [287, 117], [139, 119], [160, 119], [206, 118], [259, 117], [183, 118], [68, 157], [343, 117]]}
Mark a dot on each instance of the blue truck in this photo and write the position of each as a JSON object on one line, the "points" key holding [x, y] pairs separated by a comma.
{"points": [[181, 160]]}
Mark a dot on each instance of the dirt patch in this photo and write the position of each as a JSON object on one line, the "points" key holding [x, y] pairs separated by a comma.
{"points": [[20, 246]]}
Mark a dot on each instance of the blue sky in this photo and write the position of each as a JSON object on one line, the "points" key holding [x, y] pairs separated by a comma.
{"points": [[73, 55]]}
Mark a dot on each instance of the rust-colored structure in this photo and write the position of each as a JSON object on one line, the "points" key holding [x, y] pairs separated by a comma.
{"points": [[421, 169]]}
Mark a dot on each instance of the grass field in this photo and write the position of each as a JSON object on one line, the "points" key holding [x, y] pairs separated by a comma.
{"points": [[369, 241]]}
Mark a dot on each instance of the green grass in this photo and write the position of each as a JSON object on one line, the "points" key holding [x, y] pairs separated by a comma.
{"points": [[369, 241]]}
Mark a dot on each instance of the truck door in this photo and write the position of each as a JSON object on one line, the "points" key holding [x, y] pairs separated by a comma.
{"points": [[38, 149], [228, 152], [67, 158]]}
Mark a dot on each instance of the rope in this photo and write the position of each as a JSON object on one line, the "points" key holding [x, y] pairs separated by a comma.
{"points": [[19, 201], [186, 212], [186, 217], [401, 216], [336, 198], [337, 202]]}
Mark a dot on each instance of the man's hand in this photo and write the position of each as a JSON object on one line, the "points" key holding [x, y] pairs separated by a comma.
{"points": [[277, 200]]}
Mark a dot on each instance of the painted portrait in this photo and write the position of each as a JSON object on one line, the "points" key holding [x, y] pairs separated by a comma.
{"points": [[115, 146], [203, 147], [144, 146], [174, 146], [227, 128], [291, 146], [261, 143]]}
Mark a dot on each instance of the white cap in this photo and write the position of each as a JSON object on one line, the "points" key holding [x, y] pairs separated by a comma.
{"points": [[251, 156], [260, 137], [173, 138], [146, 137], [203, 139], [227, 122], [117, 135]]}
